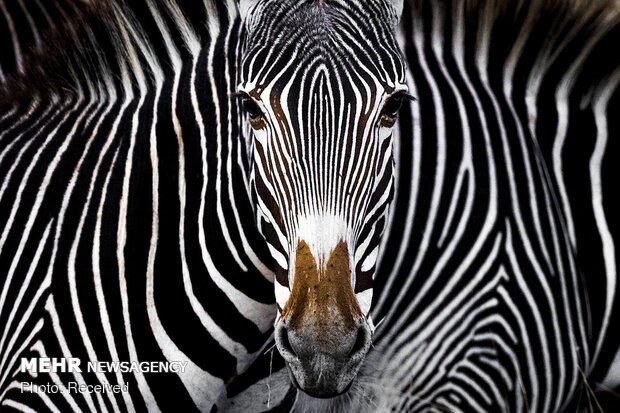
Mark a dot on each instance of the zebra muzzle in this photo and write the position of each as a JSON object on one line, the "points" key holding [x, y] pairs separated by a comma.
{"points": [[322, 333]]}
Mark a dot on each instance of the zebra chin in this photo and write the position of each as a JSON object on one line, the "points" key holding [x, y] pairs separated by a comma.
{"points": [[322, 333]]}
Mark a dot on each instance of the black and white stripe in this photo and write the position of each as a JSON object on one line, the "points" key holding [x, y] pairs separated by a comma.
{"points": [[323, 168], [496, 288], [496, 283], [504, 296], [126, 228]]}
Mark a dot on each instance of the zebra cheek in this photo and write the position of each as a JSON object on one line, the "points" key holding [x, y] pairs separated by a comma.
{"points": [[385, 133], [260, 137]]}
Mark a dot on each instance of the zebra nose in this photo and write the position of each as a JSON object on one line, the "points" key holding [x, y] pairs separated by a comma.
{"points": [[323, 362], [297, 344]]}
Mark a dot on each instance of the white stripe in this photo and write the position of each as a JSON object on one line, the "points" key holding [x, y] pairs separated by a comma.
{"points": [[596, 164]]}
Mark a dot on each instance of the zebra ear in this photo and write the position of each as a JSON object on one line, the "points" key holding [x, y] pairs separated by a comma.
{"points": [[246, 6]]}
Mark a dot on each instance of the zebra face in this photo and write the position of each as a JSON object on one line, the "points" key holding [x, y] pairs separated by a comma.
{"points": [[322, 82]]}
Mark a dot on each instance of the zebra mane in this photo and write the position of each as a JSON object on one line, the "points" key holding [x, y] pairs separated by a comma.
{"points": [[489, 12], [574, 7], [110, 39], [46, 68], [546, 32]]}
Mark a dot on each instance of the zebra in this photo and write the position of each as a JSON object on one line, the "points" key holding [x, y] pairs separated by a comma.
{"points": [[23, 24], [505, 297], [322, 108], [126, 231], [490, 267]]}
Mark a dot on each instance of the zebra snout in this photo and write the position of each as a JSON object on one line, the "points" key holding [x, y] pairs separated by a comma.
{"points": [[323, 360]]}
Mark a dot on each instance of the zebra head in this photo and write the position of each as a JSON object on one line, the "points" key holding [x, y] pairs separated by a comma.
{"points": [[322, 82]]}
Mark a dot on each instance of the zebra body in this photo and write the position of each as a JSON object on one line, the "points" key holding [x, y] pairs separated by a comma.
{"points": [[511, 299], [496, 285], [96, 160]]}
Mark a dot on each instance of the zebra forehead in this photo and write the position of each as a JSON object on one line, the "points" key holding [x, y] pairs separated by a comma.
{"points": [[320, 14], [330, 29], [313, 76]]}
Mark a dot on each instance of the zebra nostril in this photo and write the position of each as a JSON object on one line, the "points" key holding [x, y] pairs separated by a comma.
{"points": [[283, 341], [360, 342]]}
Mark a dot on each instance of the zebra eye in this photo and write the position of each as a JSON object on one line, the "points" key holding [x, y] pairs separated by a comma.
{"points": [[390, 110], [251, 107], [254, 111]]}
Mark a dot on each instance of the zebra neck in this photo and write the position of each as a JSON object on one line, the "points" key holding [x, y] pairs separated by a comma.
{"points": [[504, 169], [132, 150]]}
